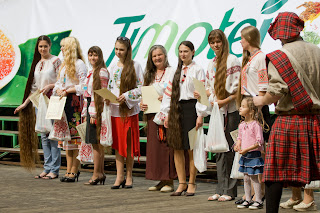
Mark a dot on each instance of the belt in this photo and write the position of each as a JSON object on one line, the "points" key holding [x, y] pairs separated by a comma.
{"points": [[296, 112]]}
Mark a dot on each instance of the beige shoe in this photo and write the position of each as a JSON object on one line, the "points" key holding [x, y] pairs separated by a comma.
{"points": [[167, 188], [303, 207], [157, 187], [289, 204]]}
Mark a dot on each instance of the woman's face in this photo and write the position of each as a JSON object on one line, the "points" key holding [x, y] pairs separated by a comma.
{"points": [[244, 43], [158, 58], [44, 48], [216, 45], [185, 53], [120, 50], [93, 58]]}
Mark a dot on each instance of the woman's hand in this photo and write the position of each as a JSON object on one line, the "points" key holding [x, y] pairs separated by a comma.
{"points": [[84, 119], [196, 94], [199, 122], [46, 89], [64, 93], [21, 107], [166, 122], [160, 97], [107, 101], [221, 103], [237, 147], [92, 120], [121, 99], [143, 106], [59, 91], [208, 93]]}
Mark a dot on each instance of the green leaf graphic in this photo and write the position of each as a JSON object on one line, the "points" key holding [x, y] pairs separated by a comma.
{"points": [[272, 6], [12, 93]]}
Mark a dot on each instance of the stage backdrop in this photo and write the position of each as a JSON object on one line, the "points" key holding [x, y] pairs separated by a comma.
{"points": [[145, 22]]}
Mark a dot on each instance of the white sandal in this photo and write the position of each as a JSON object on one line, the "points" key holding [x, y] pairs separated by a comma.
{"points": [[214, 197], [226, 198]]}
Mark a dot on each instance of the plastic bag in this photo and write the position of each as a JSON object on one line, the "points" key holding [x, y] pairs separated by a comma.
{"points": [[313, 185], [235, 174], [43, 125], [85, 155], [216, 141], [199, 155], [106, 128], [60, 130]]}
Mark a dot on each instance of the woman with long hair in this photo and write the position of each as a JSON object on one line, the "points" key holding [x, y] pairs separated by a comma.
{"points": [[42, 76], [222, 83], [126, 78], [97, 78], [180, 115], [160, 163], [71, 79], [254, 77]]}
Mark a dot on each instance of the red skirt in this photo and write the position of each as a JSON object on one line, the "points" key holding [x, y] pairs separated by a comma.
{"points": [[120, 127], [293, 152]]}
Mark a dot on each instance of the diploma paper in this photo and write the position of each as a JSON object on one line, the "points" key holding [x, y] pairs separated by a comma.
{"points": [[34, 98], [198, 85], [56, 107], [107, 94], [82, 131], [192, 137], [150, 97], [234, 135]]}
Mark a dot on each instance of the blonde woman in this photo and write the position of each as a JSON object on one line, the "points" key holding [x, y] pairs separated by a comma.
{"points": [[72, 75]]}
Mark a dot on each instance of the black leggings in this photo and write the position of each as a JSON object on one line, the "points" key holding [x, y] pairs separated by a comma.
{"points": [[273, 196]]}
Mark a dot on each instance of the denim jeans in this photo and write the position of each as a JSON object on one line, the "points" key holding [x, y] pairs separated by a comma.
{"points": [[51, 154]]}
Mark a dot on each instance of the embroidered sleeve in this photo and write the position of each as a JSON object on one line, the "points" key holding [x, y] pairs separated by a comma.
{"points": [[81, 70], [233, 75], [84, 109], [262, 74], [133, 96], [104, 78], [56, 65]]}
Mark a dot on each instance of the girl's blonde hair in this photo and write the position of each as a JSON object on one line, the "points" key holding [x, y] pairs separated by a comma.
{"points": [[72, 52], [252, 36], [256, 113]]}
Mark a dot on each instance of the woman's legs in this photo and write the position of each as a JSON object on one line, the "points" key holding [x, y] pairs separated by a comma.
{"points": [[129, 159], [69, 157], [97, 173], [75, 162], [308, 196], [120, 168], [193, 173], [102, 159], [179, 162]]}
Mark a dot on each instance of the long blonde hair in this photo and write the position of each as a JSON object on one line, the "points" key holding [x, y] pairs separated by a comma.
{"points": [[72, 52], [252, 36], [221, 64]]}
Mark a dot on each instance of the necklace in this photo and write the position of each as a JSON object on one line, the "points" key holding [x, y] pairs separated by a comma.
{"points": [[159, 79]]}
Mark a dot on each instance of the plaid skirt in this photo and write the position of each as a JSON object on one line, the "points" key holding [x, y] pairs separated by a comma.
{"points": [[293, 152]]}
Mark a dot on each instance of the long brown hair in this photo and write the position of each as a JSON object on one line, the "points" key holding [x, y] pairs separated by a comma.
{"points": [[252, 36], [128, 80], [28, 139], [174, 131], [221, 64], [98, 101], [151, 69]]}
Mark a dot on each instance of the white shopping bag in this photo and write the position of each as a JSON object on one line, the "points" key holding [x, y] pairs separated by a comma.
{"points": [[43, 125], [106, 128], [313, 185], [235, 174], [216, 141], [85, 155], [60, 130], [199, 155]]}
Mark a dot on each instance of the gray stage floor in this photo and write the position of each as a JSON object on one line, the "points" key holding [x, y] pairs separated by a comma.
{"points": [[20, 192]]}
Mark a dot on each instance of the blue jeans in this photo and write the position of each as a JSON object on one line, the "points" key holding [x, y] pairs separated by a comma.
{"points": [[51, 154]]}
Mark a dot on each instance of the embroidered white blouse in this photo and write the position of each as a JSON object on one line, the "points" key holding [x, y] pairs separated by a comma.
{"points": [[45, 73], [232, 81], [65, 82], [254, 74], [132, 96], [191, 71], [104, 78]]}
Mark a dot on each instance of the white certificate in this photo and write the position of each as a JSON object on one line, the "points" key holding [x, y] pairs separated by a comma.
{"points": [[56, 107], [107, 94], [199, 86], [150, 97], [82, 131], [34, 98]]}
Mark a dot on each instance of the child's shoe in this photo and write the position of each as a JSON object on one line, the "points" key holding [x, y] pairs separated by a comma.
{"points": [[256, 205], [244, 205], [289, 204], [303, 207]]}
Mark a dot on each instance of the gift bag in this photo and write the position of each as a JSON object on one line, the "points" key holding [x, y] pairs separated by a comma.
{"points": [[313, 185], [85, 155], [43, 125], [235, 174], [216, 141], [60, 130], [106, 128], [199, 154]]}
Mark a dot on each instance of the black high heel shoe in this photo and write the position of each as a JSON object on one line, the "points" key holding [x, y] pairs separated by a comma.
{"points": [[123, 183], [129, 186], [102, 180], [73, 179], [64, 178], [179, 193], [191, 193]]}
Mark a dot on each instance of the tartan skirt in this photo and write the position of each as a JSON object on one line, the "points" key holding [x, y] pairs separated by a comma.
{"points": [[293, 152]]}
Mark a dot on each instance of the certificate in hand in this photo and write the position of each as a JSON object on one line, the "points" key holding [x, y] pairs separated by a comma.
{"points": [[82, 130], [199, 86], [56, 107], [107, 94], [34, 98], [150, 97], [192, 137]]}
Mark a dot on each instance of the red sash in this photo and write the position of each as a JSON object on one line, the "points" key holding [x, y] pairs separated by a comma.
{"points": [[300, 98]]}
